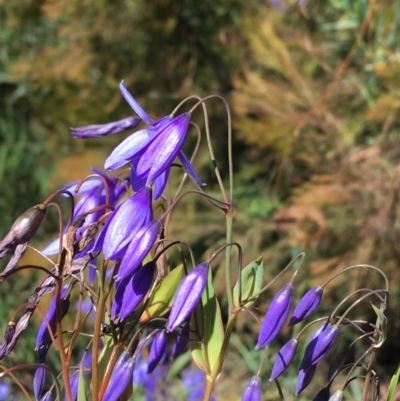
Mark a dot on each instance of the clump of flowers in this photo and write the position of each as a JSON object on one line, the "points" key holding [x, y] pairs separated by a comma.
{"points": [[113, 257]]}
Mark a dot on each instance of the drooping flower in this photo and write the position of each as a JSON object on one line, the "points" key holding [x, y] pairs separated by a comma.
{"points": [[158, 350], [304, 378], [47, 397], [307, 305], [120, 378], [284, 358], [138, 248], [124, 223], [131, 291], [73, 383], [187, 296], [100, 130], [323, 395], [43, 339], [253, 391], [39, 379], [180, 343], [276, 316], [319, 345]]}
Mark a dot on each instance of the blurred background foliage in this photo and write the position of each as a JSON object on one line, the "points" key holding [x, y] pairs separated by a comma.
{"points": [[314, 88]]}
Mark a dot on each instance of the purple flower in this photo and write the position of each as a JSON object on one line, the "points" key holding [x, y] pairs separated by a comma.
{"points": [[120, 377], [99, 130], [39, 379], [124, 223], [187, 296], [307, 305], [73, 382], [319, 345], [47, 397], [323, 395], [253, 391], [5, 390], [157, 351], [43, 339], [131, 291], [304, 378], [284, 358], [138, 248], [180, 343], [276, 316], [193, 380]]}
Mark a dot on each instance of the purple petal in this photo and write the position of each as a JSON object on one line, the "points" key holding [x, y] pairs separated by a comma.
{"points": [[323, 395], [187, 296], [307, 305], [304, 378], [128, 149], [191, 172], [159, 184], [284, 358], [137, 183], [157, 351], [276, 316], [38, 382], [138, 248], [163, 148], [134, 104], [125, 221], [180, 343], [253, 391]]}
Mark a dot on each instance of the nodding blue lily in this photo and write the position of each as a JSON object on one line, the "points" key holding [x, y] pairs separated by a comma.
{"points": [[284, 358], [158, 350], [253, 391], [307, 305]]}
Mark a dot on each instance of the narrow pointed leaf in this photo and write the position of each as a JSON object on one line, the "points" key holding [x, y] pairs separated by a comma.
{"points": [[82, 396]]}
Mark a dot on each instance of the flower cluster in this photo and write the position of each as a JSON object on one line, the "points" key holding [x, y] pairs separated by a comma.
{"points": [[137, 308]]}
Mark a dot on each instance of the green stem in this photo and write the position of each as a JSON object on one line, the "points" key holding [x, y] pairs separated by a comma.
{"points": [[228, 284]]}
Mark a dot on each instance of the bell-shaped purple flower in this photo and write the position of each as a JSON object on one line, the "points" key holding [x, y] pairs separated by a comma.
{"points": [[121, 377], [276, 316], [158, 350], [304, 378], [253, 391], [138, 248], [323, 395], [307, 305], [319, 345], [131, 291], [180, 343], [100, 130], [124, 223], [284, 358], [39, 379], [43, 339], [187, 296]]}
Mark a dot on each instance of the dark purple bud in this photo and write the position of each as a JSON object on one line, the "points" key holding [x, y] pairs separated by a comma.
{"points": [[253, 391], [323, 395], [307, 305], [187, 296], [23, 229], [276, 316], [336, 365], [121, 377], [38, 382], [43, 339], [47, 397], [180, 343], [131, 291], [304, 378], [284, 358], [73, 383], [100, 130], [337, 396], [157, 351], [319, 345], [138, 248]]}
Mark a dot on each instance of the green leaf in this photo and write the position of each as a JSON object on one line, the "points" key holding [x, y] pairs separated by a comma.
{"points": [[209, 330], [393, 384], [252, 276], [82, 386], [161, 299], [381, 322]]}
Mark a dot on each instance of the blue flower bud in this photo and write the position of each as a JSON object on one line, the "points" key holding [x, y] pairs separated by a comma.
{"points": [[284, 358], [73, 383], [131, 291], [179, 344], [307, 305], [157, 351], [319, 345], [253, 391], [100, 130], [187, 296], [121, 377], [323, 395], [39, 379], [47, 397], [276, 316], [138, 248], [304, 378]]}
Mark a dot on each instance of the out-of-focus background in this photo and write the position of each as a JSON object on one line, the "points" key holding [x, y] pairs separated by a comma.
{"points": [[314, 87]]}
